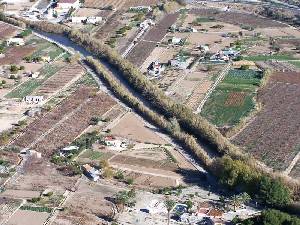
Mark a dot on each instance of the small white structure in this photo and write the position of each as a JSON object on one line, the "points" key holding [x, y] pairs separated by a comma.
{"points": [[46, 59], [145, 24], [94, 19], [34, 112], [176, 41], [15, 41], [155, 69], [78, 19], [65, 5], [204, 48], [156, 206], [91, 172], [33, 75], [115, 144], [67, 151], [33, 99], [26, 152], [88, 20], [142, 7]]}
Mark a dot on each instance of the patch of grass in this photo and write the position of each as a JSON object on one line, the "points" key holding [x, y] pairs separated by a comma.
{"points": [[244, 82], [36, 209], [295, 63], [29, 86], [269, 57], [218, 113], [47, 49], [93, 155], [203, 20]]}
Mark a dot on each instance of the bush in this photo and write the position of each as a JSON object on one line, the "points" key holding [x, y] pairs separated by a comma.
{"points": [[272, 217], [119, 175], [235, 174], [244, 67]]}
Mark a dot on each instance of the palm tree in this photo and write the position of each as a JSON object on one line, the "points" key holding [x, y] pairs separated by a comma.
{"points": [[169, 205], [242, 198]]}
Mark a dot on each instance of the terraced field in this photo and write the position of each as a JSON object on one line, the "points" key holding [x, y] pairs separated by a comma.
{"points": [[233, 98], [62, 78], [6, 30], [273, 135], [45, 122]]}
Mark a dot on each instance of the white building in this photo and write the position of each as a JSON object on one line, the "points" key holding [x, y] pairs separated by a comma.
{"points": [[15, 41], [176, 41], [155, 69], [26, 152], [147, 8], [66, 5], [86, 19], [33, 99], [67, 151], [145, 24], [91, 172]]}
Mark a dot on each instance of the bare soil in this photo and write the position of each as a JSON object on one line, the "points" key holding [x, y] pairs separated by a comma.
{"points": [[273, 134]]}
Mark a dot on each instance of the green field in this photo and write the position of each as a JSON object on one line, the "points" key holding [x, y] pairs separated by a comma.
{"points": [[47, 49], [232, 98], [269, 57], [29, 86], [295, 63]]}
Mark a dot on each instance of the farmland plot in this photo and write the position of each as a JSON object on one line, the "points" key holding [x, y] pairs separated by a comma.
{"points": [[44, 123], [14, 55], [273, 135], [104, 3], [233, 98], [144, 48], [74, 124], [237, 18], [62, 78], [134, 3], [6, 30]]}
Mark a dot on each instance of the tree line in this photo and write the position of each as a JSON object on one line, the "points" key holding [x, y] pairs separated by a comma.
{"points": [[177, 120]]}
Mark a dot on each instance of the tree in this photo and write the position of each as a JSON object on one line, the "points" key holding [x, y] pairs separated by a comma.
{"points": [[169, 205], [273, 192], [189, 204], [237, 200], [125, 198]]}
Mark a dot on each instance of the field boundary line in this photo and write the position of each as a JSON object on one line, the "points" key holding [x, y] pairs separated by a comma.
{"points": [[218, 80], [292, 164], [14, 212]]}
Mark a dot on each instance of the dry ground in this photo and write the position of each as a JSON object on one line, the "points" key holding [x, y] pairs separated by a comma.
{"points": [[86, 204], [25, 217], [39, 175], [133, 128], [6, 31]]}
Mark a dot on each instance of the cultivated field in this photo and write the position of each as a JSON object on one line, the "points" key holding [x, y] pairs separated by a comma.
{"points": [[272, 136], [104, 3], [14, 55], [25, 217], [59, 80], [72, 126], [144, 48], [6, 30], [237, 18], [87, 204], [38, 175], [45, 122], [233, 98], [158, 32]]}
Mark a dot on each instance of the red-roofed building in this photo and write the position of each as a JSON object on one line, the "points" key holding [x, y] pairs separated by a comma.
{"points": [[68, 4]]}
